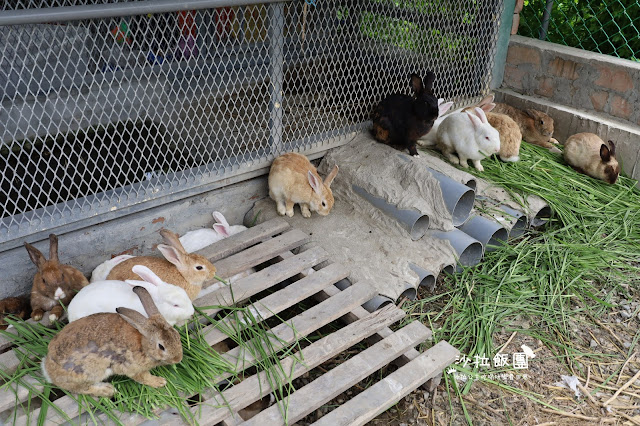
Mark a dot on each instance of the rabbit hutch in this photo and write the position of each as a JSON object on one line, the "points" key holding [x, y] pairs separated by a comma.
{"points": [[119, 118]]}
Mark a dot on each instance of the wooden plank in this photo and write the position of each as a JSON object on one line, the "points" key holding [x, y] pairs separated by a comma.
{"points": [[67, 404], [357, 313], [283, 299], [307, 322], [238, 242], [260, 253], [261, 280], [9, 362], [257, 386], [7, 341], [17, 394], [339, 379], [381, 396]]}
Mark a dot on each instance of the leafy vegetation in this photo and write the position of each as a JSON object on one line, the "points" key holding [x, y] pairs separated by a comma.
{"points": [[611, 27]]}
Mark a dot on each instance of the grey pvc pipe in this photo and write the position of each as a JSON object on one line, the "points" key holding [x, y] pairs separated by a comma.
{"points": [[343, 284], [426, 278], [112, 10], [490, 233], [448, 269], [413, 221], [520, 224], [468, 249], [457, 197], [410, 292], [541, 217], [376, 303]]}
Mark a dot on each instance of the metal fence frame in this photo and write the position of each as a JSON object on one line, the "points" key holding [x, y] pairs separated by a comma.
{"points": [[71, 215]]}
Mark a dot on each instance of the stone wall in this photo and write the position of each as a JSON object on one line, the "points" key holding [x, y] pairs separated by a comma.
{"points": [[574, 78]]}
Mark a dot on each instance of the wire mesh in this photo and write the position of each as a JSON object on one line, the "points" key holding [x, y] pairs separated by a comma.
{"points": [[99, 115], [611, 27]]}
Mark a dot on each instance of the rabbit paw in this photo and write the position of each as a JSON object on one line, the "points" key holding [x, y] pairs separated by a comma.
{"points": [[101, 389], [553, 140], [304, 208], [149, 379], [453, 159], [478, 166], [37, 314], [281, 209]]}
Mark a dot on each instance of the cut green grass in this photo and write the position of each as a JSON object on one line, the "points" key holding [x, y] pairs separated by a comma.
{"points": [[551, 279], [200, 370]]}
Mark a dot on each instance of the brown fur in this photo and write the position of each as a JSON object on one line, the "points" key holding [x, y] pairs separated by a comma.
{"points": [[51, 276], [177, 268], [17, 306], [510, 135], [588, 154], [91, 349], [536, 126], [289, 184]]}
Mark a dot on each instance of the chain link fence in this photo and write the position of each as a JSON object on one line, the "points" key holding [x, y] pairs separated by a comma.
{"points": [[611, 27], [123, 105]]}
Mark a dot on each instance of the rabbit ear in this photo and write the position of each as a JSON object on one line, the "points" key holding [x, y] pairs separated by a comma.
{"points": [[605, 154], [53, 247], [474, 120], [443, 108], [136, 319], [331, 176], [416, 83], [172, 239], [612, 148], [134, 283], [315, 182], [428, 81], [172, 254], [147, 302], [481, 115], [147, 275], [36, 255], [222, 229], [219, 218]]}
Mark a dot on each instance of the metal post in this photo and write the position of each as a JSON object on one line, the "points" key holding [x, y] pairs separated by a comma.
{"points": [[545, 20], [276, 61], [504, 34]]}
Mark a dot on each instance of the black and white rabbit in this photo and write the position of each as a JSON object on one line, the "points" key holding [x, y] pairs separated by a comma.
{"points": [[400, 120]]}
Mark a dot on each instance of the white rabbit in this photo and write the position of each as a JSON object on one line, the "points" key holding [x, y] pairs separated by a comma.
{"points": [[430, 138], [200, 238], [102, 270], [470, 136], [105, 296]]}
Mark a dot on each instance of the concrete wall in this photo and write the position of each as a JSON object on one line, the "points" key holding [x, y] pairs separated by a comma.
{"points": [[134, 234], [574, 77], [582, 91]]}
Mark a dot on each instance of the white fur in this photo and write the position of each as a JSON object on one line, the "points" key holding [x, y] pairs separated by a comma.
{"points": [[44, 370], [430, 138], [105, 296], [102, 270], [200, 238], [470, 136]]}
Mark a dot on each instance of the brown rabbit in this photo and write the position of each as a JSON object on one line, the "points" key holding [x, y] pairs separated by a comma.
{"points": [[186, 270], [93, 348], [293, 179], [54, 284], [17, 306], [588, 154], [536, 126], [510, 134]]}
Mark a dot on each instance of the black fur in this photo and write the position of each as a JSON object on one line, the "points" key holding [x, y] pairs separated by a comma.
{"points": [[400, 120]]}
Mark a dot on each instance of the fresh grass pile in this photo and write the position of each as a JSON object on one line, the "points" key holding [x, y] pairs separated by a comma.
{"points": [[552, 279], [201, 368]]}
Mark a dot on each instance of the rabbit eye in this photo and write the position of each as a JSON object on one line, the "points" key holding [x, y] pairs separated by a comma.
{"points": [[175, 306], [541, 122], [160, 346], [199, 268], [324, 204]]}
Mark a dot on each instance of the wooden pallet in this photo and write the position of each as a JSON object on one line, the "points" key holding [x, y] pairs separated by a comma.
{"points": [[273, 244]]}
